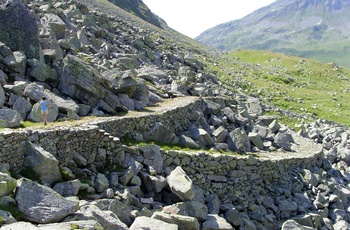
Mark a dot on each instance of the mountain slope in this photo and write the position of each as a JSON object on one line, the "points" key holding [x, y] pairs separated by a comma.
{"points": [[316, 29]]}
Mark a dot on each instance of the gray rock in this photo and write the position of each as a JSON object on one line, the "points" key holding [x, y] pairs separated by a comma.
{"points": [[215, 222], [341, 225], [123, 211], [34, 91], [55, 24], [121, 82], [213, 203], [80, 224], [152, 183], [220, 134], [3, 78], [41, 204], [238, 140], [274, 126], [180, 184], [205, 139], [7, 217], [283, 140], [142, 93], [16, 62], [101, 183], [40, 71], [7, 184], [293, 225], [107, 219], [162, 134], [17, 88], [9, 118], [188, 142], [68, 188], [232, 216], [2, 96], [256, 140], [157, 76], [20, 226], [188, 208], [183, 222], [42, 162], [143, 222], [152, 156], [23, 107], [21, 36], [126, 101]]}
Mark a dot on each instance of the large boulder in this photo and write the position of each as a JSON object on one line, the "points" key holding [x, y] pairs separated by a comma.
{"points": [[81, 81], [184, 222], [9, 118], [43, 163], [162, 134], [19, 29], [41, 204], [188, 208], [16, 62], [143, 222], [55, 24], [180, 184], [106, 219], [121, 82], [23, 107], [40, 71]]}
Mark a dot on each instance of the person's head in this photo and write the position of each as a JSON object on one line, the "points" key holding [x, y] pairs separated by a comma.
{"points": [[44, 98]]}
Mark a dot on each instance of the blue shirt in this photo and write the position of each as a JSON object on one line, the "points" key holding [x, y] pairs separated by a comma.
{"points": [[43, 106]]}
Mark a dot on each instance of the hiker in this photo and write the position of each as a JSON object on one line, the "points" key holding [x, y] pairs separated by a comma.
{"points": [[44, 109]]}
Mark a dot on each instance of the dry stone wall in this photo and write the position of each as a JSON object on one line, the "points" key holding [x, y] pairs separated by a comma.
{"points": [[215, 173]]}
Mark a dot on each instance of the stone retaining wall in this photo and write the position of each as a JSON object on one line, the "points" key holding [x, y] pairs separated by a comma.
{"points": [[232, 177], [215, 173]]}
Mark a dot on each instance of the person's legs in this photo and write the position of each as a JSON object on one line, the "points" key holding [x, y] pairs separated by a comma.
{"points": [[44, 117]]}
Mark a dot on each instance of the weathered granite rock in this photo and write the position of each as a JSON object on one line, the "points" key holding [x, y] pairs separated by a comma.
{"points": [[152, 157], [9, 118], [80, 224], [180, 184], [101, 183], [161, 134], [292, 225], [216, 222], [123, 211], [23, 107], [143, 222], [107, 219], [21, 36], [40, 71], [183, 222], [7, 217], [188, 208], [68, 188], [42, 162], [55, 24], [20, 226], [41, 204], [2, 96], [7, 184], [16, 62]]}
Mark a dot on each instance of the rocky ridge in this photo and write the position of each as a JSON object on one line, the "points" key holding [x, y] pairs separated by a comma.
{"points": [[89, 58]]}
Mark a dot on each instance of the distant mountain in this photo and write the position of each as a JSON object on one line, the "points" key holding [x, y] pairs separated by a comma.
{"points": [[318, 29]]}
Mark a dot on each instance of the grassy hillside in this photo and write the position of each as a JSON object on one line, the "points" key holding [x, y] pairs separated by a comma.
{"points": [[293, 83]]}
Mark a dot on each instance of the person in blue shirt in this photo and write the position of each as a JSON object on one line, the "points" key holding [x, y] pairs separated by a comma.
{"points": [[44, 109]]}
